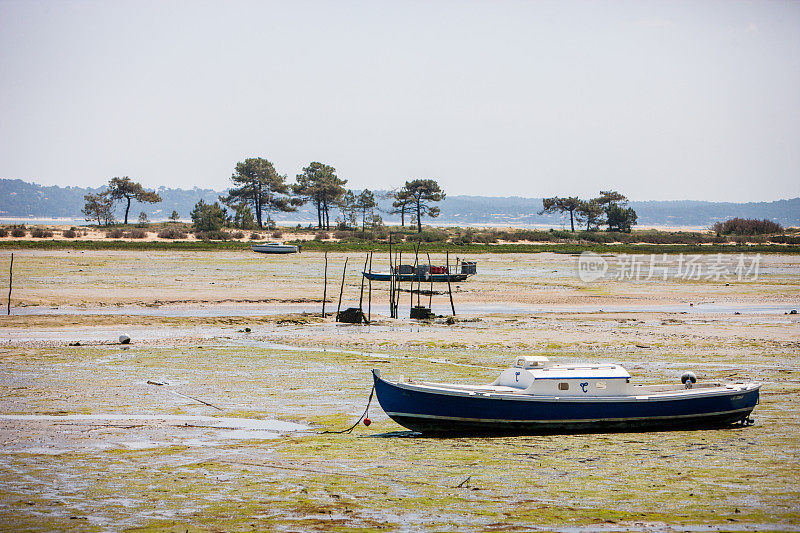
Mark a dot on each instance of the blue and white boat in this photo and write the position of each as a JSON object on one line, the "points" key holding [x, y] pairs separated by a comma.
{"points": [[537, 396]]}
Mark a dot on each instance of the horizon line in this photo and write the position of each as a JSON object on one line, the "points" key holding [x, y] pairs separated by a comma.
{"points": [[449, 195]]}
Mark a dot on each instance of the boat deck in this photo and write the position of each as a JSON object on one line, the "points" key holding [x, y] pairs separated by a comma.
{"points": [[636, 391]]}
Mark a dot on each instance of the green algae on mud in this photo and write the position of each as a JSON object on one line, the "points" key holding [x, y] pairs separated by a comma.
{"points": [[381, 476], [156, 477]]}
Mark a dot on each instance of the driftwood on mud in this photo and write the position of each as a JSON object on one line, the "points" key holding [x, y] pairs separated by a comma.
{"points": [[197, 400]]}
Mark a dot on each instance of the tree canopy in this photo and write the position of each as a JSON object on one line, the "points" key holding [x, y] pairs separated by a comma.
{"points": [[401, 202], [258, 184], [422, 192], [348, 206], [612, 204], [208, 217], [592, 213], [618, 217], [365, 203], [607, 198], [319, 184], [99, 207], [558, 204], [119, 188]]}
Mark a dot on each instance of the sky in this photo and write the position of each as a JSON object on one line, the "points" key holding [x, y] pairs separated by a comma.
{"points": [[660, 100]]}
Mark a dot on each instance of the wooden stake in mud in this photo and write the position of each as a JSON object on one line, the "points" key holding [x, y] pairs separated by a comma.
{"points": [[369, 298], [411, 288], [339, 308], [397, 286], [391, 280], [325, 287], [430, 275], [449, 287], [361, 297], [419, 279], [10, 279]]}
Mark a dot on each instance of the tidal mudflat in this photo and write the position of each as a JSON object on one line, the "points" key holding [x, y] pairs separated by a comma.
{"points": [[214, 420]]}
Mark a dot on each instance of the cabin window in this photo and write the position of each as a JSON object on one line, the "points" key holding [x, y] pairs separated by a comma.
{"points": [[563, 386], [601, 384]]}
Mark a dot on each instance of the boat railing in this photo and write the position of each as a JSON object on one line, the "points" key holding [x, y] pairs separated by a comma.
{"points": [[675, 387], [466, 388]]}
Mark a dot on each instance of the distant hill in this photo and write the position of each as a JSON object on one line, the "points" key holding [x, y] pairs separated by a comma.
{"points": [[20, 199], [516, 211]]}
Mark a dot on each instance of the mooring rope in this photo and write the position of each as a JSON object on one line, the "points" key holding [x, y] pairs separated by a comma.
{"points": [[364, 414]]}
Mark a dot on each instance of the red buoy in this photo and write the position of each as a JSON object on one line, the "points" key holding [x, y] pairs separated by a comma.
{"points": [[367, 421]]}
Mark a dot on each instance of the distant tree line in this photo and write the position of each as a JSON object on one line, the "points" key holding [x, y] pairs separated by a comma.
{"points": [[610, 209], [259, 191]]}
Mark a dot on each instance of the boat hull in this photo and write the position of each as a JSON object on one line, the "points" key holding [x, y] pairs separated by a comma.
{"points": [[450, 412], [266, 249], [436, 278]]}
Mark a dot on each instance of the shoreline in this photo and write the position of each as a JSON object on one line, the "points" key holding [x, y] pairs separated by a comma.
{"points": [[309, 244]]}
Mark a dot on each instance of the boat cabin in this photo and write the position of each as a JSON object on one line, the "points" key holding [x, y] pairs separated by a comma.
{"points": [[537, 375]]}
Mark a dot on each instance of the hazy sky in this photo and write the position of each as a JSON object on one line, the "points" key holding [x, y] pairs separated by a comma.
{"points": [[660, 100]]}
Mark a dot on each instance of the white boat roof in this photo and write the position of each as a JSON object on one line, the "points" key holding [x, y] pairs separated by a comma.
{"points": [[580, 371]]}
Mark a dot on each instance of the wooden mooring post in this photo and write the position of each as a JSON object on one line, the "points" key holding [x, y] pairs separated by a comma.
{"points": [[391, 280], [449, 287], [419, 278], [325, 286], [10, 279], [397, 286], [430, 275], [413, 275], [361, 297], [369, 298], [341, 290]]}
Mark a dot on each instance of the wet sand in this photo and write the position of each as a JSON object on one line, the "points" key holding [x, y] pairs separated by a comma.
{"points": [[100, 436]]}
